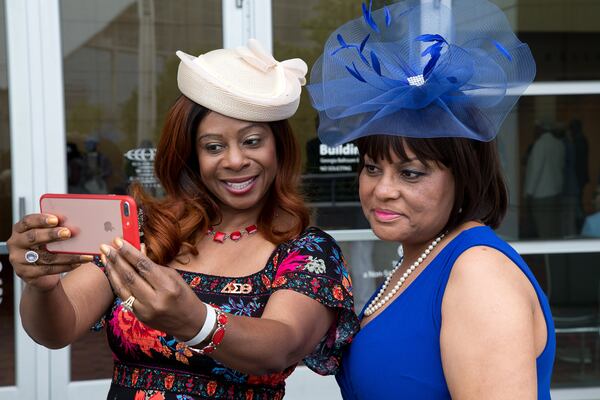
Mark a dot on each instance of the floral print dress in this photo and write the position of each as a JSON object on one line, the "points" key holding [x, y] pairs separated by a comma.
{"points": [[151, 365]]}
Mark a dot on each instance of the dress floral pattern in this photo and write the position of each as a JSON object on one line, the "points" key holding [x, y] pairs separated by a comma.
{"points": [[151, 365]]}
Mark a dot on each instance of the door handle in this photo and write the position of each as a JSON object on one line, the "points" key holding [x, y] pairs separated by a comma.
{"points": [[22, 209]]}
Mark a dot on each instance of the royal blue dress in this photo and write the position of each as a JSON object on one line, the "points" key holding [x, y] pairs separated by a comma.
{"points": [[397, 355]]}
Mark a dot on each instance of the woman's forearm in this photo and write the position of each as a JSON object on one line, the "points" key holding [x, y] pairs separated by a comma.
{"points": [[48, 316], [258, 346], [261, 346]]}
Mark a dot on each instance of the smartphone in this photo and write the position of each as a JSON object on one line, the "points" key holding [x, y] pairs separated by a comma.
{"points": [[93, 219]]}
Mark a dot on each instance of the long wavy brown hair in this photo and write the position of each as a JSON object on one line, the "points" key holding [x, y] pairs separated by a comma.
{"points": [[174, 224]]}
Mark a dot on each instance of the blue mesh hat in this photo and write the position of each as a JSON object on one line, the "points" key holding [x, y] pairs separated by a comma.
{"points": [[420, 70]]}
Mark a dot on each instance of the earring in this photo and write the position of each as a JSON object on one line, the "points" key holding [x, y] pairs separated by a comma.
{"points": [[460, 210]]}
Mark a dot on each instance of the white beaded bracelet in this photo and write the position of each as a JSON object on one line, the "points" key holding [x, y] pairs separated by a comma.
{"points": [[207, 327]]}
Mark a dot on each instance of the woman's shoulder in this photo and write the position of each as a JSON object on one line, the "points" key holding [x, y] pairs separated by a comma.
{"points": [[479, 250], [488, 274], [474, 238], [485, 265]]}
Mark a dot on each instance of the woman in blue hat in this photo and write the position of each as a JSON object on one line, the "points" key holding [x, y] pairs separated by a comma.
{"points": [[423, 90]]}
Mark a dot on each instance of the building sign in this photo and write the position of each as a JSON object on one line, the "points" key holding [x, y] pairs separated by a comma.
{"points": [[325, 159], [141, 167], [343, 158]]}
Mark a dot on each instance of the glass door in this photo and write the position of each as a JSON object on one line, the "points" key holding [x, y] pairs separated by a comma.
{"points": [[7, 309], [119, 80], [31, 163]]}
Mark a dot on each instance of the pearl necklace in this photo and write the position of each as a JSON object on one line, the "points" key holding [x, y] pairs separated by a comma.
{"points": [[376, 304]]}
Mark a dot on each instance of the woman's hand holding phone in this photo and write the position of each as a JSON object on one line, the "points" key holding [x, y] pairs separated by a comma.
{"points": [[32, 234], [161, 298]]}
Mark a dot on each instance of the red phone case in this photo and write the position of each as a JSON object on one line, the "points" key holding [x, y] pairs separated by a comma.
{"points": [[93, 219]]}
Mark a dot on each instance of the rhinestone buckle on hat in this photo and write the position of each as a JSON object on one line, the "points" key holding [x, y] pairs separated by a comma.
{"points": [[376, 303], [417, 80]]}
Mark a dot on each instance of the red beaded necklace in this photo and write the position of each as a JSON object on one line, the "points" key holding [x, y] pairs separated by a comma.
{"points": [[220, 237]]}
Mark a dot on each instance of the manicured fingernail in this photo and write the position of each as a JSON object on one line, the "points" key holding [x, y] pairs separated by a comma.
{"points": [[51, 220], [103, 259], [118, 242], [64, 233], [86, 258], [105, 249]]}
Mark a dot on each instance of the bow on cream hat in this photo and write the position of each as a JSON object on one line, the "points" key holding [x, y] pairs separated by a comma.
{"points": [[245, 83]]}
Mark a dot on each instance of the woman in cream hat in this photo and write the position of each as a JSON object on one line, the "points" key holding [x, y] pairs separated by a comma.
{"points": [[423, 89], [232, 289]]}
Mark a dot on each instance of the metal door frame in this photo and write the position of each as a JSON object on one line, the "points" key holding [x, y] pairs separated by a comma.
{"points": [[37, 156]]}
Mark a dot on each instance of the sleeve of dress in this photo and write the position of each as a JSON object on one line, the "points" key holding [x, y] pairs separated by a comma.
{"points": [[314, 266]]}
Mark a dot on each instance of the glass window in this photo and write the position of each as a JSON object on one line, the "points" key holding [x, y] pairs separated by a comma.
{"points": [[369, 263], [120, 77], [5, 156], [7, 308], [330, 179], [7, 324], [562, 34], [329, 173], [549, 148], [572, 284]]}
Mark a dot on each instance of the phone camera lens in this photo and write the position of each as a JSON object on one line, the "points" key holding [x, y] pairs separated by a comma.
{"points": [[126, 209]]}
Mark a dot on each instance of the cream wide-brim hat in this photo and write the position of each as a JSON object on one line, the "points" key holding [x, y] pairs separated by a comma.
{"points": [[245, 83]]}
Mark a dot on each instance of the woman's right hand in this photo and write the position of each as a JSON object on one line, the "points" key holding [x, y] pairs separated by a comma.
{"points": [[31, 234]]}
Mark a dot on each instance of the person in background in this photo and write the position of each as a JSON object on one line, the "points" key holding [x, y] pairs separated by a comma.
{"points": [[591, 224], [232, 289], [582, 175], [97, 168], [545, 180], [75, 169], [461, 316]]}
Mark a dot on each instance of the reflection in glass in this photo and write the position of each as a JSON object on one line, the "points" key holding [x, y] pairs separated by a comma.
{"points": [[558, 196], [7, 324], [369, 263], [572, 284], [329, 173], [120, 72], [558, 166], [562, 35], [7, 308], [591, 223], [5, 156]]}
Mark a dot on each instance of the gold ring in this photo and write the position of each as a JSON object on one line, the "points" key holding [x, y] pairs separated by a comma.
{"points": [[128, 304]]}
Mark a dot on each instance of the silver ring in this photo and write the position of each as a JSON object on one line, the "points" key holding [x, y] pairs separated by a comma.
{"points": [[128, 304], [31, 257]]}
